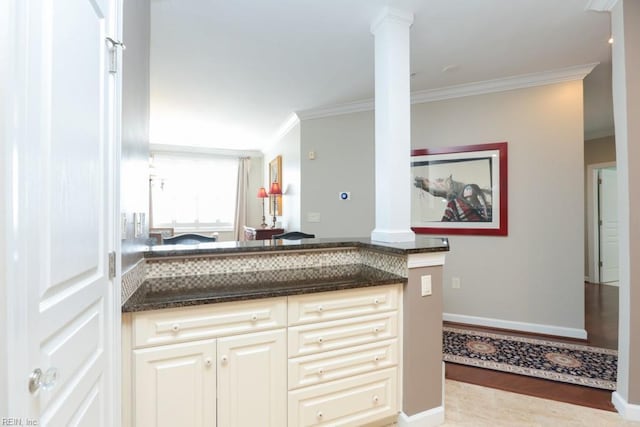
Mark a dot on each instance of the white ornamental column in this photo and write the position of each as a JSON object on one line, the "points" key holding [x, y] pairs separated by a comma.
{"points": [[392, 127]]}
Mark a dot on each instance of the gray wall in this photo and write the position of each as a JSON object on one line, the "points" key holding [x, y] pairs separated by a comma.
{"points": [[344, 148], [532, 274], [134, 181], [528, 276], [289, 148]]}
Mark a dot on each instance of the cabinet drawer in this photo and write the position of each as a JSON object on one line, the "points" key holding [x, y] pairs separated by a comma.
{"points": [[207, 321], [332, 365], [342, 304], [350, 402], [317, 337]]}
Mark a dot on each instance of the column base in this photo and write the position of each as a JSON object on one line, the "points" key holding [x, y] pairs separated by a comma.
{"points": [[430, 418]]}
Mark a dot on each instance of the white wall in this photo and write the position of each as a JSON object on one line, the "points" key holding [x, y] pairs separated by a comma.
{"points": [[289, 148], [344, 148], [535, 274]]}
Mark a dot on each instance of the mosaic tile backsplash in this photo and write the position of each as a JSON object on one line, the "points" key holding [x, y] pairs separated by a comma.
{"points": [[247, 263]]}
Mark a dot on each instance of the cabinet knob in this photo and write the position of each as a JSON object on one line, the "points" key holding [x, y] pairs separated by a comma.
{"points": [[175, 327], [375, 400], [224, 360], [376, 301], [320, 308], [376, 329], [319, 415], [320, 340], [376, 358], [208, 362], [320, 371], [254, 317]]}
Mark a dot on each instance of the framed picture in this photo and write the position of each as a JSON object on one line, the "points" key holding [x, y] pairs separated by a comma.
{"points": [[460, 190], [275, 175]]}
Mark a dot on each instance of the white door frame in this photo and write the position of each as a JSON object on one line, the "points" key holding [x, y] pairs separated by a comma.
{"points": [[593, 243]]}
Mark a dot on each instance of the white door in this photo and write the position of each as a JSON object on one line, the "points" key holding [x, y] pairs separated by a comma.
{"points": [[175, 385], [252, 380], [61, 301], [608, 207]]}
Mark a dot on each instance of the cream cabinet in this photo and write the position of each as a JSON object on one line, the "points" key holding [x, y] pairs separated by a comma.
{"points": [[327, 358], [176, 385], [343, 353], [222, 364]]}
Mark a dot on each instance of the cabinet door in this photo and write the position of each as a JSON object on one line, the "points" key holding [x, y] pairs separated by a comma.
{"points": [[175, 385], [252, 380]]}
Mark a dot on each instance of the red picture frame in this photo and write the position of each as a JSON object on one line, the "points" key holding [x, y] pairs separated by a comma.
{"points": [[461, 190]]}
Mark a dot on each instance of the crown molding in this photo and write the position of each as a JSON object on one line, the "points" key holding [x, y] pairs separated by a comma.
{"points": [[600, 133], [600, 5], [336, 110], [508, 83], [282, 131], [187, 149], [522, 81]]}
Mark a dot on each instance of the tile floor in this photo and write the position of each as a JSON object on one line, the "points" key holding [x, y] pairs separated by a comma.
{"points": [[468, 405]]}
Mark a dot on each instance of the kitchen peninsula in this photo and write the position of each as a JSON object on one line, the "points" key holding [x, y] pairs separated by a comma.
{"points": [[317, 331]]}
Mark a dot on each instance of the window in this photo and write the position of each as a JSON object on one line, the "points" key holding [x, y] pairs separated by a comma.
{"points": [[193, 191]]}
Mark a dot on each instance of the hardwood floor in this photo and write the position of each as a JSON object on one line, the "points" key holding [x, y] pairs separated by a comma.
{"points": [[601, 323]]}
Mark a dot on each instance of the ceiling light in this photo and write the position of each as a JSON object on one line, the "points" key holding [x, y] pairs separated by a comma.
{"points": [[610, 40]]}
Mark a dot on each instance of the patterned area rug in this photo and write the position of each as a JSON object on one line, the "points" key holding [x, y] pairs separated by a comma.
{"points": [[570, 363]]}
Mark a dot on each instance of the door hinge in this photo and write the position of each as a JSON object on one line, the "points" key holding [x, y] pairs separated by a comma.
{"points": [[113, 46], [600, 222], [600, 263], [112, 265]]}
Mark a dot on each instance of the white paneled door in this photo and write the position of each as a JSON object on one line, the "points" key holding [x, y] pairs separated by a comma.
{"points": [[61, 298], [608, 208]]}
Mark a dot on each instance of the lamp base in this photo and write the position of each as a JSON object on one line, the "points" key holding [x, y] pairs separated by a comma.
{"points": [[274, 223], [264, 224]]}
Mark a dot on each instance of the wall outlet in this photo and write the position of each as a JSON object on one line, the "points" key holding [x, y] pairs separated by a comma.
{"points": [[425, 282], [455, 282]]}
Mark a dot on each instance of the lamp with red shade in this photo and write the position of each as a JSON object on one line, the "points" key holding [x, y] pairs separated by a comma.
{"points": [[262, 194], [274, 192]]}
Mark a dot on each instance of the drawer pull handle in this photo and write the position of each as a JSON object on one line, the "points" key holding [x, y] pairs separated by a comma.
{"points": [[320, 371], [175, 327], [375, 400], [254, 317], [319, 415], [224, 360], [320, 340], [208, 362], [320, 308]]}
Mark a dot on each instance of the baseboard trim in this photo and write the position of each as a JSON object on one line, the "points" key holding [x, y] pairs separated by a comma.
{"points": [[430, 418], [535, 328], [628, 411]]}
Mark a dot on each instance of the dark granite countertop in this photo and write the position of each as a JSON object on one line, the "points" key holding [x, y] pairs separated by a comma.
{"points": [[422, 244], [166, 292]]}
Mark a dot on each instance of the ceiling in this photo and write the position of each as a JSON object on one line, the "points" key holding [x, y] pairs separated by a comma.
{"points": [[228, 74]]}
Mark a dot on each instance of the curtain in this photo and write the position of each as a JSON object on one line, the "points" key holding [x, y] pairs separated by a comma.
{"points": [[241, 198]]}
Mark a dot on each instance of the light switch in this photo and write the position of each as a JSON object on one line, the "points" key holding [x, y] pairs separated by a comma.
{"points": [[313, 217], [426, 285]]}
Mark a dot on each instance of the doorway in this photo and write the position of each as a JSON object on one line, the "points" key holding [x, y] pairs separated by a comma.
{"points": [[602, 224]]}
